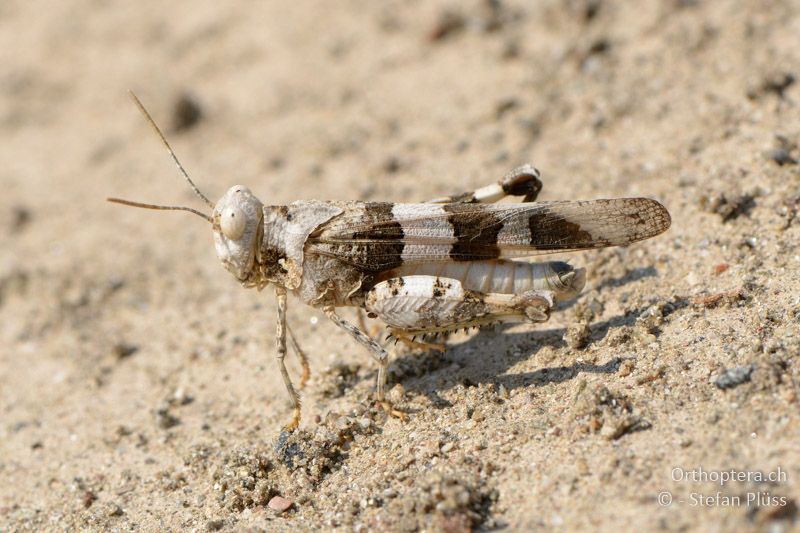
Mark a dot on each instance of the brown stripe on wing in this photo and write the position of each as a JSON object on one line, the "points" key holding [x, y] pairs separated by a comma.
{"points": [[366, 235], [551, 231], [475, 232], [384, 241], [564, 226]]}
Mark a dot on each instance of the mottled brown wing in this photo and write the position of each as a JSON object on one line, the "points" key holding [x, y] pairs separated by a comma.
{"points": [[381, 236]]}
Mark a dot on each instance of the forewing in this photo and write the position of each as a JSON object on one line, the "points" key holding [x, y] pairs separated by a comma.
{"points": [[380, 236]]}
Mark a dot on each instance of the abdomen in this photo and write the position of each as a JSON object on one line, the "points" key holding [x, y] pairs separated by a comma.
{"points": [[503, 276]]}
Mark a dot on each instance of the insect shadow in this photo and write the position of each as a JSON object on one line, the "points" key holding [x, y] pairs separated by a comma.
{"points": [[431, 372], [632, 275]]}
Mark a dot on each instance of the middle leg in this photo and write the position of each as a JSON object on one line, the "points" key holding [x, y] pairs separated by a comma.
{"points": [[378, 353], [301, 354]]}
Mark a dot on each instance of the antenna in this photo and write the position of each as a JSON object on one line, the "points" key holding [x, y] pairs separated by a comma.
{"points": [[171, 153], [162, 207]]}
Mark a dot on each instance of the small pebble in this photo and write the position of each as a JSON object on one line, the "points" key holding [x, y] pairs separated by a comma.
{"points": [[165, 419], [179, 397], [123, 349], [720, 268], [279, 504], [397, 393], [342, 423], [578, 336], [626, 367], [214, 525], [88, 498], [781, 156], [502, 392], [735, 376], [449, 23], [114, 510]]}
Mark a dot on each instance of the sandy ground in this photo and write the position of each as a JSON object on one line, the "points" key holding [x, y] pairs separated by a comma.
{"points": [[138, 384]]}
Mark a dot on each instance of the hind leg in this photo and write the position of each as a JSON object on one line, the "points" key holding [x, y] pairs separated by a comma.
{"points": [[416, 305], [522, 181]]}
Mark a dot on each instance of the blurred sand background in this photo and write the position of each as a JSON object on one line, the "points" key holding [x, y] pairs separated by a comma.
{"points": [[138, 387]]}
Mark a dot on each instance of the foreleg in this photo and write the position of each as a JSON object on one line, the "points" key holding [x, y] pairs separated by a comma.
{"points": [[280, 336]]}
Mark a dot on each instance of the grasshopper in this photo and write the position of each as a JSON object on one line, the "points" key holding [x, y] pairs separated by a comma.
{"points": [[421, 268]]}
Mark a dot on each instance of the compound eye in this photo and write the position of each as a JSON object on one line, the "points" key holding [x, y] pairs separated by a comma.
{"points": [[232, 222]]}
